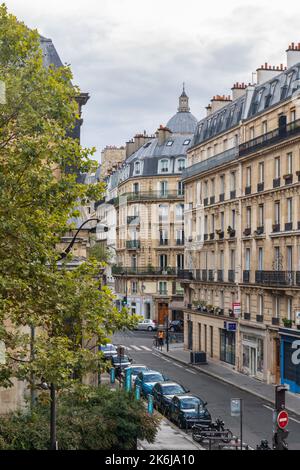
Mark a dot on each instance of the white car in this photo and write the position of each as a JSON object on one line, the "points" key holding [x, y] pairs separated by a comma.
{"points": [[135, 370], [147, 325]]}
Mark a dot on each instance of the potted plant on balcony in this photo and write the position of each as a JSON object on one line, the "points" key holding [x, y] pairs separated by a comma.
{"points": [[210, 309], [220, 233], [287, 323], [230, 313], [169, 270], [150, 268], [219, 311], [230, 231]]}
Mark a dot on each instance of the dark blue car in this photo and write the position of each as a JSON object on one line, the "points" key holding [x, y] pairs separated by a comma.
{"points": [[147, 379], [187, 410]]}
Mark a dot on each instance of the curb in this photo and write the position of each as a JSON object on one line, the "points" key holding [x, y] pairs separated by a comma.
{"points": [[229, 382]]}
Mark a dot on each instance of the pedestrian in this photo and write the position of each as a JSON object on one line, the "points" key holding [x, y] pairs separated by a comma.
{"points": [[161, 339]]}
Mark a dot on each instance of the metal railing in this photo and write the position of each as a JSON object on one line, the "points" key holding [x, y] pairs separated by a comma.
{"points": [[279, 134], [146, 196], [133, 244], [144, 271], [278, 278]]}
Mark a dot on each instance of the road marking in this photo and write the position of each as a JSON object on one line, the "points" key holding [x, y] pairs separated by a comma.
{"points": [[190, 371], [135, 348], [178, 365], [126, 347], [290, 418], [156, 355], [145, 347]]}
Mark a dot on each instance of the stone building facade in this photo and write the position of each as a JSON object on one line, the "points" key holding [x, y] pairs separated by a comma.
{"points": [[242, 196]]}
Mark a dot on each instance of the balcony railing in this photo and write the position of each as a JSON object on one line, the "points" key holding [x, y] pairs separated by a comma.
{"points": [[204, 275], [278, 278], [133, 245], [212, 162], [163, 242], [179, 242], [220, 275], [276, 183], [231, 275], [247, 190], [270, 138], [146, 271], [146, 196], [133, 220], [246, 276], [185, 274], [211, 275]]}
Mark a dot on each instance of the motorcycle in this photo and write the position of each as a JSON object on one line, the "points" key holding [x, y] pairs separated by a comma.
{"points": [[215, 430]]}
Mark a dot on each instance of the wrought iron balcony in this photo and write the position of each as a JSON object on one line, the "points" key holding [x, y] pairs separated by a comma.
{"points": [[163, 242], [247, 232], [288, 179], [276, 228], [143, 271], [222, 197], [259, 318], [270, 138], [231, 275], [277, 278], [260, 187], [133, 245], [212, 200], [275, 321], [220, 275], [247, 190], [246, 276], [259, 231], [247, 316], [146, 196], [185, 274], [276, 183], [288, 226], [205, 201], [211, 275], [233, 194], [179, 242]]}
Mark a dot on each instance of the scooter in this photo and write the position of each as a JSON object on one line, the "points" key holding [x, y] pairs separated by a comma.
{"points": [[215, 430]]}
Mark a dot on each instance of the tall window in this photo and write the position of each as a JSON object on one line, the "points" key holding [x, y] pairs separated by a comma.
{"points": [[233, 181], [289, 210], [247, 260], [137, 168], [289, 163], [164, 166], [212, 221], [205, 189], [233, 217], [222, 221], [248, 304], [260, 305], [277, 212], [134, 287], [277, 306], [222, 184], [163, 287], [289, 308], [180, 188], [249, 217], [179, 212], [163, 212], [261, 172], [248, 176], [261, 215], [251, 133], [260, 259], [277, 260], [289, 258], [136, 188], [134, 261], [181, 164], [293, 115], [205, 224], [232, 260], [277, 167], [163, 186], [212, 186], [163, 261], [180, 261], [264, 127]]}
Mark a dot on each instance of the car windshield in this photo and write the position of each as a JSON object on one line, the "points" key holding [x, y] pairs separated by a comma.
{"points": [[121, 359], [136, 370], [108, 347], [153, 378], [189, 403], [172, 389]]}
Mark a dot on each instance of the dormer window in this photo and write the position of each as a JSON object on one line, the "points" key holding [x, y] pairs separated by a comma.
{"points": [[170, 143], [164, 166], [147, 145], [137, 168], [187, 142], [181, 164]]}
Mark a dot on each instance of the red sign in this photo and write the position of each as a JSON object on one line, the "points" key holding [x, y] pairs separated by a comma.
{"points": [[283, 419]]}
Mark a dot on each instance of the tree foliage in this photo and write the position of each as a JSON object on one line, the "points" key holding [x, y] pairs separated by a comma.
{"points": [[95, 419], [38, 195]]}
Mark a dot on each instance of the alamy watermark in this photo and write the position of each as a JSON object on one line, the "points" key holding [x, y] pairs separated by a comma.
{"points": [[296, 353], [2, 92]]}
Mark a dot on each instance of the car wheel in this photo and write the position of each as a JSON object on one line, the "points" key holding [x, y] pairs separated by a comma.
{"points": [[150, 328]]}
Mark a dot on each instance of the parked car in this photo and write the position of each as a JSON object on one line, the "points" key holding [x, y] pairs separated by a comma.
{"points": [[147, 379], [164, 392], [120, 363], [147, 325], [176, 325], [135, 370], [109, 351], [187, 410]]}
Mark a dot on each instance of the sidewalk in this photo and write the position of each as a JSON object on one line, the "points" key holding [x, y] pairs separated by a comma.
{"points": [[170, 437], [230, 376]]}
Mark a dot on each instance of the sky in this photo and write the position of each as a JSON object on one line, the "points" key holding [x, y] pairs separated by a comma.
{"points": [[132, 56]]}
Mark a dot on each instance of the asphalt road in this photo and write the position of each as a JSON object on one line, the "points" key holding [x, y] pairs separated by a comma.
{"points": [[258, 415]]}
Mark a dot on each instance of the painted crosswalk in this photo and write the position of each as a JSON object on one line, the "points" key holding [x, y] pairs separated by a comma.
{"points": [[136, 348]]}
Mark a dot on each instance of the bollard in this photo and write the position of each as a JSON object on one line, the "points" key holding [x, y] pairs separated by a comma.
{"points": [[150, 404], [137, 392], [112, 374], [128, 382]]}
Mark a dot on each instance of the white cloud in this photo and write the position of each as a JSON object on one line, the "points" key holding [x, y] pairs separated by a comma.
{"points": [[133, 55]]}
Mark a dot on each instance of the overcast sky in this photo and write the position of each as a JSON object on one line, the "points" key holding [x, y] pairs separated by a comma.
{"points": [[133, 55]]}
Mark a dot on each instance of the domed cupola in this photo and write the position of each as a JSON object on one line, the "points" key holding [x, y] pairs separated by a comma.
{"points": [[183, 122]]}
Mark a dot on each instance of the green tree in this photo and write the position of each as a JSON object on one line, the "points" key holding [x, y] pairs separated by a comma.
{"points": [[69, 310]]}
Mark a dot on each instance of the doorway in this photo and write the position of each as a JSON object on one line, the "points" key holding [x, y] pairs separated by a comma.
{"points": [[163, 311], [190, 335]]}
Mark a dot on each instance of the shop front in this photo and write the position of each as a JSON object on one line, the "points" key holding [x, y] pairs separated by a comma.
{"points": [[228, 343], [252, 353], [290, 359]]}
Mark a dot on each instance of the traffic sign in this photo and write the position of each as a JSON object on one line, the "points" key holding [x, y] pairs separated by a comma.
{"points": [[282, 419]]}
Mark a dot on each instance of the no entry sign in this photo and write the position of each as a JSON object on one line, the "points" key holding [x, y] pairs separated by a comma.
{"points": [[283, 419]]}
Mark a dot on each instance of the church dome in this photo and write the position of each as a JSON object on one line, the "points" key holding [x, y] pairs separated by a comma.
{"points": [[183, 122]]}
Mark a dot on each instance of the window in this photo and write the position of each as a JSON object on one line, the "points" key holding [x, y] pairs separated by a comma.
{"points": [[248, 304], [134, 262], [248, 176], [180, 188], [212, 186], [260, 259], [163, 186], [290, 210], [212, 223], [251, 133], [163, 237], [134, 287], [180, 261], [261, 172], [163, 212], [222, 184], [181, 164], [260, 305], [277, 212], [137, 168], [248, 217], [136, 188], [179, 212], [264, 127], [277, 259], [247, 260], [205, 189], [221, 259], [187, 142], [277, 167], [222, 221], [233, 213], [289, 258], [163, 261], [277, 306], [261, 215], [205, 225], [289, 308], [164, 166], [289, 163], [233, 181], [293, 115], [170, 143], [225, 144], [232, 260], [215, 149], [133, 308], [163, 289]]}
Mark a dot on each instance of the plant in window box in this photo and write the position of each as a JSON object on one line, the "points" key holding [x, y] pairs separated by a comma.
{"points": [[230, 231], [287, 323], [230, 312], [150, 268]]}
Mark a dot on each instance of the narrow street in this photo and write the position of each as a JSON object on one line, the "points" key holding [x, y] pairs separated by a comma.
{"points": [[257, 413]]}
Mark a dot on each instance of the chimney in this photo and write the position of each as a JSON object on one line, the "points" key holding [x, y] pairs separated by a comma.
{"points": [[266, 72], [218, 102], [238, 90], [163, 134], [208, 110], [293, 54], [140, 140], [130, 148]]}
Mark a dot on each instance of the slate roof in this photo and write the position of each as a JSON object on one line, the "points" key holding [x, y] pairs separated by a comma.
{"points": [[50, 55], [182, 123]]}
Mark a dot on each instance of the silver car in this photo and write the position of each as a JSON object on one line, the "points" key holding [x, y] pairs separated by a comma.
{"points": [[147, 325]]}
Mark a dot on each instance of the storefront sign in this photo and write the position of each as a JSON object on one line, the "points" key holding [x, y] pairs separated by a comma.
{"points": [[235, 407], [236, 307], [229, 326]]}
